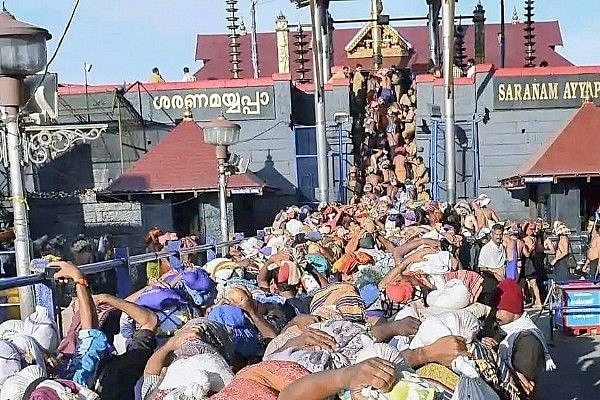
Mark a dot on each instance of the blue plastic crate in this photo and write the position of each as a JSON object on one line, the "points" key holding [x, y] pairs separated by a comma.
{"points": [[581, 307]]}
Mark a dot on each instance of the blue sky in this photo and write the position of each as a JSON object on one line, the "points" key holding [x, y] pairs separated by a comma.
{"points": [[124, 39]]}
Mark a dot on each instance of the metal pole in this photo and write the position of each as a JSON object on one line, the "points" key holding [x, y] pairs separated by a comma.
{"points": [[221, 155], [434, 32], [502, 31], [326, 44], [376, 34], [321, 132], [448, 11], [253, 38], [121, 137], [11, 89], [87, 99]]}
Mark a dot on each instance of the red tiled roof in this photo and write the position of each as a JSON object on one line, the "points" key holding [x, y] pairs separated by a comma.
{"points": [[180, 162], [214, 49], [573, 152]]}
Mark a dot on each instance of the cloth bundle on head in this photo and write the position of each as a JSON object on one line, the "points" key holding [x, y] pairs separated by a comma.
{"points": [[431, 206], [221, 270], [348, 337], [246, 338], [10, 360], [198, 279], [410, 218], [212, 334], [250, 247], [42, 328], [289, 273], [454, 323], [262, 381], [454, 295], [344, 297], [38, 325], [463, 205], [472, 280], [31, 352], [10, 328], [347, 264], [369, 293], [18, 387], [483, 200], [559, 228], [367, 241], [395, 296], [158, 298], [432, 264], [317, 261], [196, 377], [167, 237], [294, 227]]}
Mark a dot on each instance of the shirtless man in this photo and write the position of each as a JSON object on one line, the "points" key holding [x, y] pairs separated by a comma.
{"points": [[393, 127], [410, 125], [486, 216], [400, 164], [466, 214], [420, 174]]}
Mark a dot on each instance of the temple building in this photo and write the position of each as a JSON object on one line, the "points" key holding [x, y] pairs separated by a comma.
{"points": [[504, 118], [405, 47]]}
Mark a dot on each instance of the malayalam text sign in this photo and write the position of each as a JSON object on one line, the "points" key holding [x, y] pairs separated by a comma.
{"points": [[206, 104]]}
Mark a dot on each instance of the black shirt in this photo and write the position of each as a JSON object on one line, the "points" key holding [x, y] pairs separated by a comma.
{"points": [[119, 374], [528, 355]]}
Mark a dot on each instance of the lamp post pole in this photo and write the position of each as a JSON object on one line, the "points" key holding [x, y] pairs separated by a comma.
{"points": [[222, 133], [10, 99], [221, 159], [23, 53]]}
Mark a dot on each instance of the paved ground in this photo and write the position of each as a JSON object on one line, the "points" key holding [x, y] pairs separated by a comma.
{"points": [[578, 361]]}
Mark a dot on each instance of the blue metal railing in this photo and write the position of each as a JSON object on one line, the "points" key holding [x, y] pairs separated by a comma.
{"points": [[43, 279]]}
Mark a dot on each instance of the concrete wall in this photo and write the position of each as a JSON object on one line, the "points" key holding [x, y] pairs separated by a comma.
{"points": [[508, 140]]}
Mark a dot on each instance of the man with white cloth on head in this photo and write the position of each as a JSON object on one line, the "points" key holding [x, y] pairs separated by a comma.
{"points": [[492, 256]]}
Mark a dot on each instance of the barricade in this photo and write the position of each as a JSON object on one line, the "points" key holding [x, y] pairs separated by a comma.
{"points": [[46, 290]]}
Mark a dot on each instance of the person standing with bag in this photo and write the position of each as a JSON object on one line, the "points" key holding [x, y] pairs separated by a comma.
{"points": [[564, 259]]}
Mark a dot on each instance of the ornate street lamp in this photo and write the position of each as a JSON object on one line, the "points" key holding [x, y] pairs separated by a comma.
{"points": [[222, 133], [22, 53]]}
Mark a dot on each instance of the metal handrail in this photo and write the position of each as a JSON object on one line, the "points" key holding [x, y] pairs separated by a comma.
{"points": [[102, 266], [20, 281]]}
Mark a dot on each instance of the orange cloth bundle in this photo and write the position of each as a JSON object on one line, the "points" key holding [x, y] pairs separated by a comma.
{"points": [[400, 292]]}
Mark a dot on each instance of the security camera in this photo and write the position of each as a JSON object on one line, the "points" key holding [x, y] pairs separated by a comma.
{"points": [[341, 117]]}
